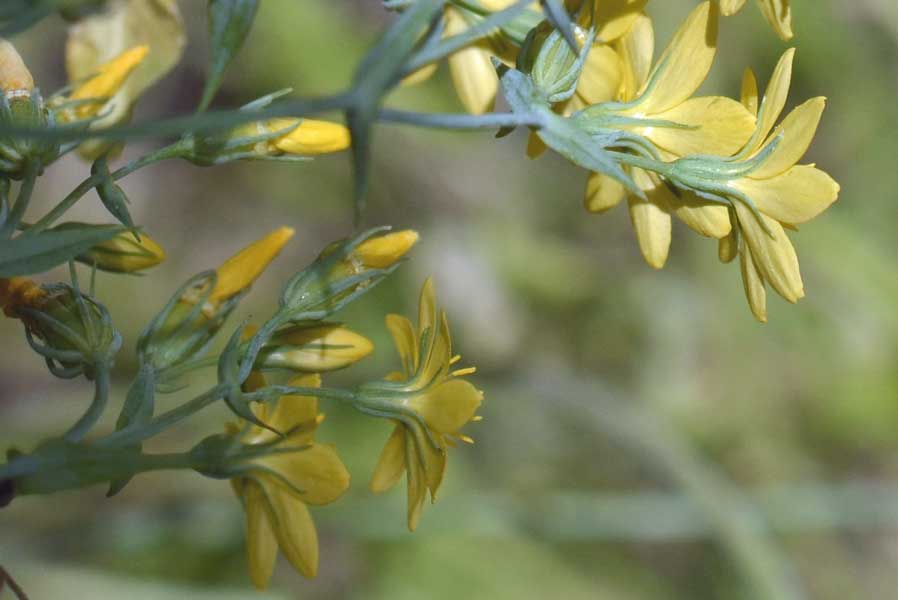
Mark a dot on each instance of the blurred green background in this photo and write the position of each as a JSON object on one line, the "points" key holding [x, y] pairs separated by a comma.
{"points": [[644, 437]]}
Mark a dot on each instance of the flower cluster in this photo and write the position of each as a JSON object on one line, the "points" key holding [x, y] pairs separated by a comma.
{"points": [[720, 165]]}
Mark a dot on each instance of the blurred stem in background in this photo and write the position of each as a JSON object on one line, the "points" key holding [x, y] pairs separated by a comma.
{"points": [[735, 521]]}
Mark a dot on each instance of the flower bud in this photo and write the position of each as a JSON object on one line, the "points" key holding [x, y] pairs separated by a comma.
{"points": [[199, 309], [125, 253], [75, 330], [324, 347], [15, 78], [21, 106]]}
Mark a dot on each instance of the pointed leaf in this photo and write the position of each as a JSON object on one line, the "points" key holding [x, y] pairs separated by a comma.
{"points": [[229, 24], [41, 252]]}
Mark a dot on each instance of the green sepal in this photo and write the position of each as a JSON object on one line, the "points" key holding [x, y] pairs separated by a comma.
{"points": [[138, 409]]}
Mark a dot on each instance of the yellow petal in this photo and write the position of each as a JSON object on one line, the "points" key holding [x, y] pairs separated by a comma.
{"points": [[773, 253], [755, 292], [391, 464], [794, 197], [730, 7], [14, 75], [773, 102], [427, 309], [717, 125], [636, 51], [103, 35], [314, 137], [709, 220], [241, 270], [749, 97], [383, 251], [295, 531], [600, 79], [261, 543], [651, 221], [779, 14], [795, 134], [291, 410], [685, 63], [616, 17], [406, 341], [473, 74], [603, 193], [316, 470], [109, 78], [447, 406]]}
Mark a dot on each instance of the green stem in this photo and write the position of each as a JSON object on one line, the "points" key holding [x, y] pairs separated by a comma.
{"points": [[22, 201], [170, 151], [138, 433], [96, 408]]}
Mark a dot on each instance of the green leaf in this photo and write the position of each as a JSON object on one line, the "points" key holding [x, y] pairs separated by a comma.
{"points": [[380, 70], [38, 253], [229, 24]]}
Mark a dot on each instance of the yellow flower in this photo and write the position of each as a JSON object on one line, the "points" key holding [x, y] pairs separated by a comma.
{"points": [[303, 137], [241, 270], [435, 403], [784, 193], [118, 27], [276, 487], [15, 78], [125, 254], [703, 125], [323, 347], [109, 78], [777, 12]]}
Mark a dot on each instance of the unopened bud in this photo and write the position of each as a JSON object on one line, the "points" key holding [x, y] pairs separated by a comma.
{"points": [[325, 347]]}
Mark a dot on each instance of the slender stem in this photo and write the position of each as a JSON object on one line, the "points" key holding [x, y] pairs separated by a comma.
{"points": [[170, 151], [642, 162], [96, 408], [137, 433], [5, 577], [319, 392], [22, 201], [462, 121]]}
